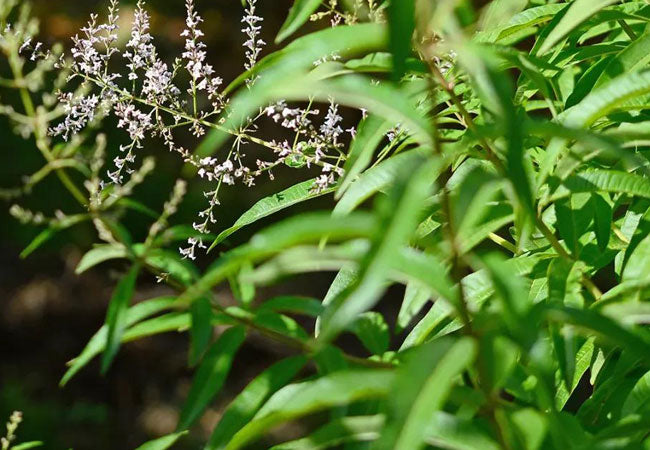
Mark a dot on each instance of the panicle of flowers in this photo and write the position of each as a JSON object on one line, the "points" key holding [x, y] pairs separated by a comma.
{"points": [[327, 178], [331, 129], [253, 44], [291, 118], [14, 420], [201, 73], [79, 111], [87, 58], [141, 45]]}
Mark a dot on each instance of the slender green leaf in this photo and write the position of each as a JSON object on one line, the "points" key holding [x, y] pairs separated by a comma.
{"points": [[211, 375], [248, 402], [162, 443], [577, 12], [297, 400], [116, 315], [298, 15]]}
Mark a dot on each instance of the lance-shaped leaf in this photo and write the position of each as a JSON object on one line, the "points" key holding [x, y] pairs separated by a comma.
{"points": [[401, 24], [99, 254], [577, 12], [116, 315], [374, 180], [248, 402], [338, 432], [201, 330], [162, 443], [400, 214], [298, 15], [298, 193], [97, 343], [297, 400], [369, 134], [423, 385], [211, 374]]}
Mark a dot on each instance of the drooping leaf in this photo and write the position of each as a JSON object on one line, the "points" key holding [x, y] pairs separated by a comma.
{"points": [[577, 12], [116, 315], [338, 432], [248, 402], [369, 134], [400, 214], [424, 384], [295, 194], [298, 15], [100, 254], [603, 217], [297, 400], [97, 342], [211, 374], [162, 443], [401, 24], [201, 330]]}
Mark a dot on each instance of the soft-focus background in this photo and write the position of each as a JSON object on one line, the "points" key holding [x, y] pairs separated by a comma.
{"points": [[48, 313]]}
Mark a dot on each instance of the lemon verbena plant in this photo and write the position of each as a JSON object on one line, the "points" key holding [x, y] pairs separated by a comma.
{"points": [[498, 170]]}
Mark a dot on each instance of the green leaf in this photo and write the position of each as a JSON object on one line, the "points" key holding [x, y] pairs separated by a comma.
{"points": [[372, 181], [162, 443], [401, 24], [372, 331], [576, 13], [297, 305], [338, 432], [116, 315], [603, 217], [449, 431], [99, 254], [370, 133], [573, 214], [211, 374], [50, 232], [512, 292], [201, 330], [298, 15], [345, 279], [242, 409], [423, 385], [612, 181], [297, 400], [169, 263], [607, 98], [399, 218], [524, 20], [415, 297], [637, 266], [532, 425], [581, 363], [277, 202], [28, 445], [500, 12], [633, 340], [638, 399], [97, 343], [635, 56]]}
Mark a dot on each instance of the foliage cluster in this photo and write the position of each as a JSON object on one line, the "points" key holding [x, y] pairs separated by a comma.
{"points": [[498, 171]]}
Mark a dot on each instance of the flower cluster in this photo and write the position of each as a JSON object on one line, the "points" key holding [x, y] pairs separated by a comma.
{"points": [[253, 44], [150, 102]]}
